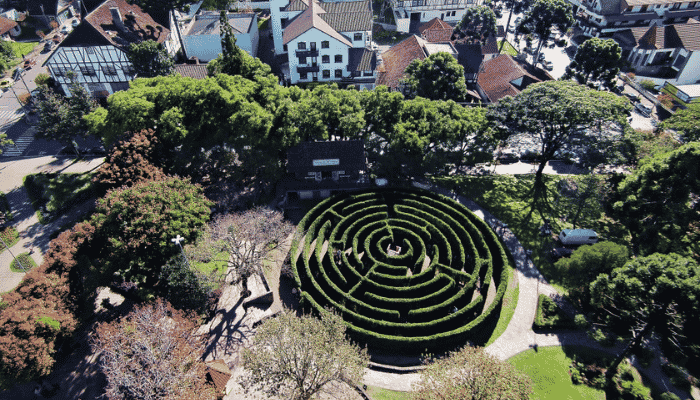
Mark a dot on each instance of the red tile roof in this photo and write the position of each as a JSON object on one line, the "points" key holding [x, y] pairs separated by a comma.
{"points": [[196, 71], [6, 25], [496, 77], [397, 58], [436, 31], [310, 18], [139, 25], [685, 35]]}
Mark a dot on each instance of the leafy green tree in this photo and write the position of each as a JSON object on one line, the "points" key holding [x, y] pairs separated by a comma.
{"points": [[471, 373], [438, 77], [515, 7], [298, 357], [586, 263], [477, 24], [543, 17], [135, 225], [150, 59], [686, 122], [560, 116], [596, 61], [658, 203], [61, 118], [4, 141], [159, 7], [657, 293]]}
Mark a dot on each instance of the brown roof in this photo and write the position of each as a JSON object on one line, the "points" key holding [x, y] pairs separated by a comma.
{"points": [[685, 35], [196, 71], [632, 3], [6, 24], [309, 19], [139, 26], [342, 16], [490, 47], [496, 77], [436, 31], [219, 373], [397, 58]]}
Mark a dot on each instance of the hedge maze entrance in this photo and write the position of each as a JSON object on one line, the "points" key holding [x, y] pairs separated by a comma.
{"points": [[408, 270]]}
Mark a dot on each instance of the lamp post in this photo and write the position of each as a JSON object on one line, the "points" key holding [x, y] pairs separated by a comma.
{"points": [[13, 256], [178, 241]]}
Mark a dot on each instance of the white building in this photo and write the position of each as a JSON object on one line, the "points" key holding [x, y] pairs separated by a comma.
{"points": [[409, 14], [95, 51], [325, 41], [201, 37]]}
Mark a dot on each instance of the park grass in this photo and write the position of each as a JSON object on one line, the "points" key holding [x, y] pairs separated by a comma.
{"points": [[508, 198], [52, 194], [25, 260], [507, 48], [548, 367], [23, 48], [377, 393], [216, 268]]}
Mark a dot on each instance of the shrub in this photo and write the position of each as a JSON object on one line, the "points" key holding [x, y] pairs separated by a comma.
{"points": [[647, 85], [22, 263], [666, 100], [42, 79], [10, 236]]}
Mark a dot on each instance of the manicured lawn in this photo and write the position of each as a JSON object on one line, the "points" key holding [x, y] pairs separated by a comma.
{"points": [[23, 48], [508, 48], [377, 393], [23, 263], [53, 193], [548, 367]]}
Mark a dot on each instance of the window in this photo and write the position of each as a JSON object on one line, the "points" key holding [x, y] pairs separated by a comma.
{"points": [[87, 70], [325, 44], [355, 73], [338, 73], [303, 75], [301, 45], [90, 50], [284, 48], [302, 60], [338, 58], [326, 74], [109, 70], [325, 59], [313, 45], [357, 37], [366, 73]]}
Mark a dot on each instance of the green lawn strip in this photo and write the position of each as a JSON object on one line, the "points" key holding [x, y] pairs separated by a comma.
{"points": [[52, 194], [548, 367], [23, 259], [10, 236], [263, 24], [217, 266], [507, 48], [377, 393], [510, 301], [23, 48]]}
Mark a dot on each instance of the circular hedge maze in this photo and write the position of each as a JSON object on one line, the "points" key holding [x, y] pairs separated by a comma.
{"points": [[408, 270]]}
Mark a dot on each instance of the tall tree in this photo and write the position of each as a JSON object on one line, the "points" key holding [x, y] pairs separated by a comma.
{"points": [[686, 122], [471, 373], [543, 17], [150, 59], [596, 61], [152, 353], [657, 293], [560, 116], [659, 203], [515, 7], [61, 118], [477, 24], [298, 357], [438, 77]]}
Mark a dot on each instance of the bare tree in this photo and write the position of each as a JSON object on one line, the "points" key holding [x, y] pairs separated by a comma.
{"points": [[249, 237], [298, 357], [152, 354]]}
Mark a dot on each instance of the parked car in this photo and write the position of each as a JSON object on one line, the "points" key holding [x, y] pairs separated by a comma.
{"points": [[569, 237], [75, 23], [50, 45], [98, 150], [508, 157], [632, 97], [548, 65], [560, 252], [642, 109]]}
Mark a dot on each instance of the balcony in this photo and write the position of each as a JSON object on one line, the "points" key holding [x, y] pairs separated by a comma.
{"points": [[306, 53], [306, 69], [431, 4]]}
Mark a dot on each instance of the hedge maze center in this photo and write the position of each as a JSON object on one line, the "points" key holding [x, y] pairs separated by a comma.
{"points": [[409, 271]]}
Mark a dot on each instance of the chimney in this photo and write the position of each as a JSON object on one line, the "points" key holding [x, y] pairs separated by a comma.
{"points": [[117, 19]]}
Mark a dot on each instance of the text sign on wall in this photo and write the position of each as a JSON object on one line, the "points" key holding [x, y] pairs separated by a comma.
{"points": [[326, 162]]}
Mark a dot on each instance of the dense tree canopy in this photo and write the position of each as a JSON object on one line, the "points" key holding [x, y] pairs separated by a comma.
{"points": [[543, 17], [438, 77], [298, 357], [596, 61], [477, 24], [686, 122], [471, 373], [150, 59], [659, 203]]}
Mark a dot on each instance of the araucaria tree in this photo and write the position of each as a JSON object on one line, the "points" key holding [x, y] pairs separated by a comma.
{"points": [[438, 77], [471, 373], [151, 354], [561, 116], [150, 59], [249, 237], [477, 24], [596, 61], [543, 17], [298, 357], [686, 122]]}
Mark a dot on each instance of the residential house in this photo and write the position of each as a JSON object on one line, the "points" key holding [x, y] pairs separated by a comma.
{"points": [[12, 14], [95, 51], [436, 31], [54, 10], [328, 41], [607, 16], [681, 95], [504, 76], [196, 71], [321, 169], [201, 37], [9, 29], [670, 52], [410, 14]]}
